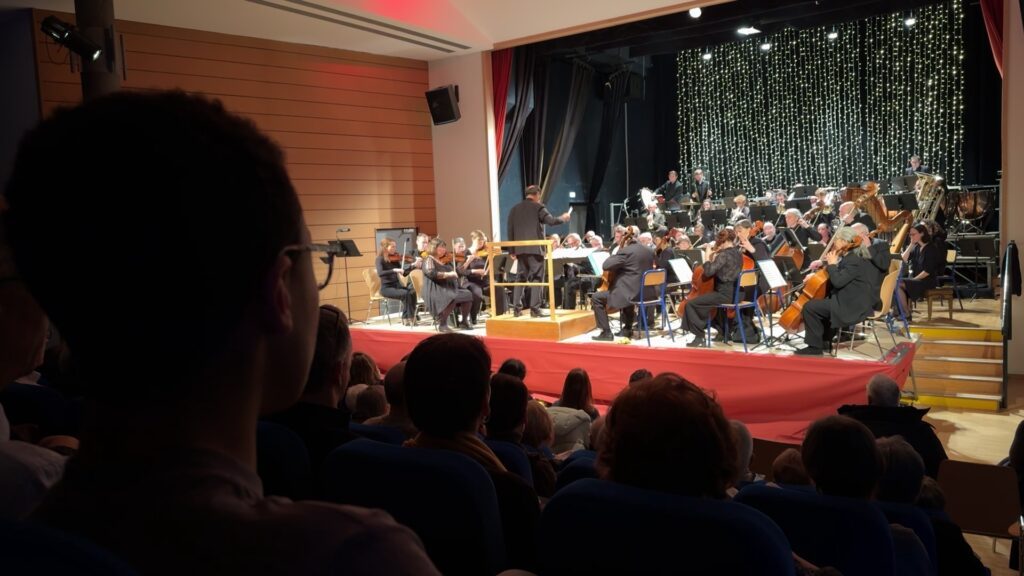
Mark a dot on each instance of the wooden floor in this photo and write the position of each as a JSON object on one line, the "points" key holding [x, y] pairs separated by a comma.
{"points": [[978, 313]]}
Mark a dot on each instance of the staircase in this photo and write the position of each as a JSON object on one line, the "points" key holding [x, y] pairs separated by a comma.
{"points": [[959, 367]]}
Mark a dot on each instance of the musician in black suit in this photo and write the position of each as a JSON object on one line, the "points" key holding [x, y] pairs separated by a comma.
{"points": [[526, 221], [881, 257], [848, 214], [627, 266], [756, 249], [916, 166], [803, 229], [672, 190], [578, 277], [700, 190], [724, 263], [852, 295]]}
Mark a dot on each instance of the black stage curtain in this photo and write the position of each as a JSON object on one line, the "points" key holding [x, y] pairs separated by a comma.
{"points": [[582, 76], [522, 78], [532, 150], [614, 94]]}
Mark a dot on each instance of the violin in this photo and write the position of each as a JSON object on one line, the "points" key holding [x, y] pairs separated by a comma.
{"points": [[396, 258]]}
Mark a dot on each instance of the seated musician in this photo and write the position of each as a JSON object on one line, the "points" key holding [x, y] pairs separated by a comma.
{"points": [[851, 298], [768, 234], [780, 198], [825, 232], [705, 236], [802, 228], [756, 249], [422, 243], [914, 166], [441, 290], [672, 190], [619, 232], [927, 261], [656, 219], [723, 263], [389, 266], [848, 214], [597, 242], [701, 189], [626, 267], [463, 259], [880, 258], [579, 278], [477, 272], [741, 211]]}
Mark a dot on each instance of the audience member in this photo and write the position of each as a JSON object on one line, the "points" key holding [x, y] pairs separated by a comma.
{"points": [[744, 454], [884, 416], [596, 429], [788, 469], [316, 417], [394, 392], [572, 429], [190, 309], [371, 403], [539, 433], [26, 471], [447, 381], [352, 396], [901, 482], [667, 434], [364, 370], [577, 393], [639, 375], [507, 422], [515, 367]]}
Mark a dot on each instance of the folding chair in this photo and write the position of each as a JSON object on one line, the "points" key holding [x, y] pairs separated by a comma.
{"points": [[656, 278], [951, 264], [887, 293], [373, 285], [747, 278]]}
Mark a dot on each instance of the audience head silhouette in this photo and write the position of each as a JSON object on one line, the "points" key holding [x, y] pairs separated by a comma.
{"points": [[447, 380], [329, 374], [667, 434], [508, 408], [902, 471], [841, 457], [883, 391]]}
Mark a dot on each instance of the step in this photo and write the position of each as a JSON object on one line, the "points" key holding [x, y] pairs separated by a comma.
{"points": [[927, 364], [952, 333], [961, 349], [958, 385], [965, 402]]}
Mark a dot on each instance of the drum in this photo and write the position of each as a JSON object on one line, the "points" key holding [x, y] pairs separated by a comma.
{"points": [[975, 204]]}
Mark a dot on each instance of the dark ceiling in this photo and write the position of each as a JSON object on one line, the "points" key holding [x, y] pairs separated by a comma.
{"points": [[718, 24]]}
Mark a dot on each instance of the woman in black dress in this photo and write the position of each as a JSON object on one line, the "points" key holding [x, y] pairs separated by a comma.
{"points": [[441, 290], [927, 260], [389, 266]]}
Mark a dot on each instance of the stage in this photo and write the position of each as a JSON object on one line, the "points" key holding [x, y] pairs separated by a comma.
{"points": [[774, 392]]}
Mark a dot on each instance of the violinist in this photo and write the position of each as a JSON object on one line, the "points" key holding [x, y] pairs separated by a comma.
{"points": [[723, 263], [476, 266], [803, 230], [579, 278], [627, 266], [389, 265], [741, 211], [852, 296], [420, 254], [441, 291], [462, 260]]}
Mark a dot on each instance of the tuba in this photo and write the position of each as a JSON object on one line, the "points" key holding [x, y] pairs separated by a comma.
{"points": [[930, 192]]}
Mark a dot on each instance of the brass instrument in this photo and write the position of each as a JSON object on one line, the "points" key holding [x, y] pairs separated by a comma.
{"points": [[930, 192]]}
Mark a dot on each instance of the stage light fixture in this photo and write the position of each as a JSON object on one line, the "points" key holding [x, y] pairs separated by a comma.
{"points": [[766, 46], [67, 35], [748, 31], [706, 55], [833, 35], [695, 12], [910, 21]]}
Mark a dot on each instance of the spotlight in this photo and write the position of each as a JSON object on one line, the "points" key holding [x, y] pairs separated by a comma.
{"points": [[748, 30], [833, 35], [766, 46], [706, 56], [695, 12], [910, 21], [67, 35]]}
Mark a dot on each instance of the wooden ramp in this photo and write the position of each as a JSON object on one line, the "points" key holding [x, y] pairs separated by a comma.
{"points": [[565, 325]]}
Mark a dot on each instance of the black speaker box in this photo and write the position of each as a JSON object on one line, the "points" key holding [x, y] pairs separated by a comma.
{"points": [[444, 104]]}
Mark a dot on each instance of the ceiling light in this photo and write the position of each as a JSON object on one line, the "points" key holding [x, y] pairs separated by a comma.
{"points": [[67, 35], [695, 12], [706, 56], [910, 21], [766, 46], [833, 35], [748, 30]]}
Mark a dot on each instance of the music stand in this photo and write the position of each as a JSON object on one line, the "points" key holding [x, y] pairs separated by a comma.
{"points": [[773, 277], [787, 266], [678, 220], [346, 249], [693, 256], [714, 218], [763, 213], [814, 252], [802, 192], [801, 204], [905, 201]]}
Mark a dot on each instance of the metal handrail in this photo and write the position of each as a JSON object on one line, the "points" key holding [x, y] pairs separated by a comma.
{"points": [[1006, 311]]}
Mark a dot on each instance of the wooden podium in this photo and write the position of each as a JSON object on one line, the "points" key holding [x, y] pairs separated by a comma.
{"points": [[560, 325]]}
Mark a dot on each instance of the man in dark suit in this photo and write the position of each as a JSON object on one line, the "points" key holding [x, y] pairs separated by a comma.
{"points": [[672, 190], [700, 190], [880, 259], [526, 221], [916, 166], [627, 266], [852, 297], [803, 230]]}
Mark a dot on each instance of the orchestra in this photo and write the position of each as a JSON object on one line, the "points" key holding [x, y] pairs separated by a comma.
{"points": [[716, 236]]}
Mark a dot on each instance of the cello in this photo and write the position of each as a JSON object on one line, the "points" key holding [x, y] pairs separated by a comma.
{"points": [[792, 318], [699, 285]]}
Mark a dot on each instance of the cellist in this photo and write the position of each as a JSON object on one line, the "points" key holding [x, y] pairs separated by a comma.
{"points": [[723, 263], [852, 294], [627, 265]]}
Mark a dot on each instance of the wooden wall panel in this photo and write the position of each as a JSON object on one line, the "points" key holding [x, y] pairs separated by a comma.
{"points": [[354, 127]]}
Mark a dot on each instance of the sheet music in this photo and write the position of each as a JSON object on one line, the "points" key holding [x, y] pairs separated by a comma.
{"points": [[597, 258], [571, 253], [771, 274], [682, 269]]}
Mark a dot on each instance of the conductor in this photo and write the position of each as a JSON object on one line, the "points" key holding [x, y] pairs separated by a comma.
{"points": [[526, 221]]}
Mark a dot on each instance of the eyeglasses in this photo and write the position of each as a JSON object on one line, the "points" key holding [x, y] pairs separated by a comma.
{"points": [[323, 262]]}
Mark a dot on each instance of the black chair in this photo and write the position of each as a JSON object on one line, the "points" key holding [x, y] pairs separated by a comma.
{"points": [[578, 469], [282, 461], [600, 527], [513, 457], [445, 497], [914, 518], [31, 548], [386, 434]]}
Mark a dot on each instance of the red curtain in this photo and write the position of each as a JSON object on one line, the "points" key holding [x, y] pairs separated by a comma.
{"points": [[501, 68], [992, 12]]}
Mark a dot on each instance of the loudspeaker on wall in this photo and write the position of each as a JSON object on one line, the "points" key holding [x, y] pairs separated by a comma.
{"points": [[444, 104]]}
